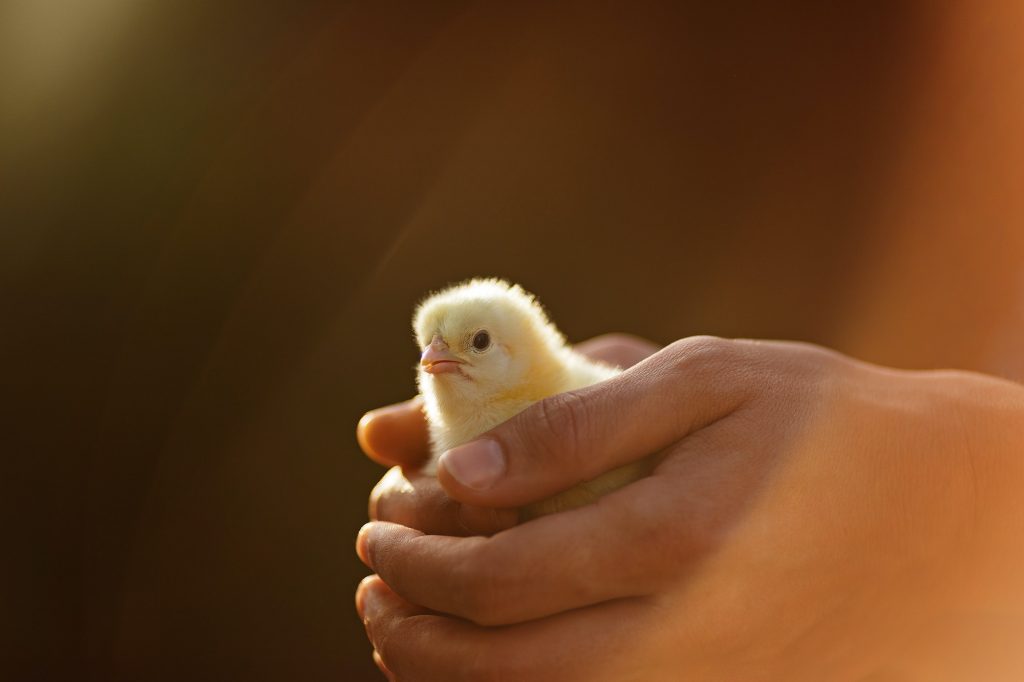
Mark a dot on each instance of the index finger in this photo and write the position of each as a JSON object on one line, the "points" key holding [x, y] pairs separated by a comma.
{"points": [[396, 434], [576, 436]]}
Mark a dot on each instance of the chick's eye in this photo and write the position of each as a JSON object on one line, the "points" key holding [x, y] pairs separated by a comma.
{"points": [[481, 340]]}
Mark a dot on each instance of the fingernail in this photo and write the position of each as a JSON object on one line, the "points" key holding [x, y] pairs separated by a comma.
{"points": [[477, 465], [363, 544], [361, 592], [370, 604]]}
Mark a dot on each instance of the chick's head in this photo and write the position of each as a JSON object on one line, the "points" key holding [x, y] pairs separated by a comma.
{"points": [[484, 339]]}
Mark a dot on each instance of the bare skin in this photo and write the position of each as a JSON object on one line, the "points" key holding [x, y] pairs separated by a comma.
{"points": [[812, 517]]}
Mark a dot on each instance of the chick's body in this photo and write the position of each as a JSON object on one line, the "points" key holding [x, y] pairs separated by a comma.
{"points": [[489, 352]]}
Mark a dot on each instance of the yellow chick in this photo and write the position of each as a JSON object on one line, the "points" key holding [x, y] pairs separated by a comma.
{"points": [[490, 351]]}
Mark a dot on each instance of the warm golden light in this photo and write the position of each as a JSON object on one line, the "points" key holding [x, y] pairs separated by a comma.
{"points": [[216, 218]]}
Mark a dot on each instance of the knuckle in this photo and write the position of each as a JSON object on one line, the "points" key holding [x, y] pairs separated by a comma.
{"points": [[712, 366], [700, 353], [798, 369]]}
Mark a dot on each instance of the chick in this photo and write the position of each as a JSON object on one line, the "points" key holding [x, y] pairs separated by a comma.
{"points": [[490, 351]]}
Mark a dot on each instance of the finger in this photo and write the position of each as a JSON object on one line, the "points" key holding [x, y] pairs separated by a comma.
{"points": [[414, 499], [621, 350], [383, 668], [575, 436], [392, 623], [396, 434], [599, 643], [631, 543]]}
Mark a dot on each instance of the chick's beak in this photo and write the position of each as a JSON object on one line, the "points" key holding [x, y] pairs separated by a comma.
{"points": [[437, 359]]}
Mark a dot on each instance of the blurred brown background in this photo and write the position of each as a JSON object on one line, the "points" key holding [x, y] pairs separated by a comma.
{"points": [[216, 218]]}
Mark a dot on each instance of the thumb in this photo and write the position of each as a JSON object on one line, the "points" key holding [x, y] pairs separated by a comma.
{"points": [[575, 436]]}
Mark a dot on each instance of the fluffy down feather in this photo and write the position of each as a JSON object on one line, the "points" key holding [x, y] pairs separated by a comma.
{"points": [[489, 351]]}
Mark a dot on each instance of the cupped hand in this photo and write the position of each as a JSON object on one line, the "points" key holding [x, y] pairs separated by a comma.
{"points": [[396, 436], [809, 518]]}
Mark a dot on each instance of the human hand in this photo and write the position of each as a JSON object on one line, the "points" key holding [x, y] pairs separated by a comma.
{"points": [[396, 436], [808, 513]]}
